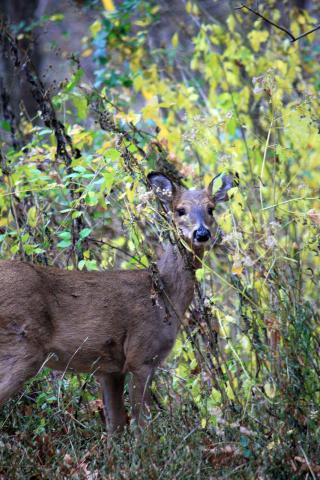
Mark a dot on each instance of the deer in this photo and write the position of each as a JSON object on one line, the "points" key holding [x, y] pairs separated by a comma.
{"points": [[107, 322]]}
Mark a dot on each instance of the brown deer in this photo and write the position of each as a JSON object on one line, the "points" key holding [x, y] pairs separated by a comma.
{"points": [[106, 322]]}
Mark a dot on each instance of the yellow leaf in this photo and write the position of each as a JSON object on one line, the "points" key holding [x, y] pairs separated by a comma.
{"points": [[148, 94], [175, 40], [138, 83], [130, 194], [281, 66], [32, 217], [237, 269], [108, 5], [87, 52], [95, 27], [270, 390], [257, 37], [188, 7], [231, 23], [295, 29], [216, 396], [151, 110], [104, 147], [57, 17], [195, 9], [314, 216], [229, 392]]}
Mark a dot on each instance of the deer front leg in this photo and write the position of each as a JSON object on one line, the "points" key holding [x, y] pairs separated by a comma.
{"points": [[112, 387], [140, 393]]}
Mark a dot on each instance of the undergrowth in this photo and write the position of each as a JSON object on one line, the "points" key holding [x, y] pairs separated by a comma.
{"points": [[239, 395]]}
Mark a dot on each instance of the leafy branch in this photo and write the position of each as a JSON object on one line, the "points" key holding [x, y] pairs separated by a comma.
{"points": [[279, 27], [64, 149]]}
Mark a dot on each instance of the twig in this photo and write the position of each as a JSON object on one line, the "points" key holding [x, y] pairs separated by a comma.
{"points": [[308, 463], [180, 445], [67, 368], [122, 250], [307, 33], [279, 27]]}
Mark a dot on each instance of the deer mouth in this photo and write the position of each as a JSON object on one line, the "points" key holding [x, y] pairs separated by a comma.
{"points": [[201, 243]]}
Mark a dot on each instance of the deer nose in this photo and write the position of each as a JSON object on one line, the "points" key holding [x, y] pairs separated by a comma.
{"points": [[202, 234]]}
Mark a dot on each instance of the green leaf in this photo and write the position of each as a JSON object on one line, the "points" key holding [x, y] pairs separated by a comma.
{"points": [[112, 154], [91, 265], [91, 199], [247, 453], [41, 398], [65, 235], [200, 274], [81, 264], [216, 396], [64, 244], [244, 441], [74, 80], [108, 181], [217, 184], [85, 233], [76, 214], [5, 125], [80, 169], [81, 104], [14, 249], [39, 250]]}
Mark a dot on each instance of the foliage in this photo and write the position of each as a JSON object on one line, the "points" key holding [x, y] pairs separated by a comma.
{"points": [[245, 370]]}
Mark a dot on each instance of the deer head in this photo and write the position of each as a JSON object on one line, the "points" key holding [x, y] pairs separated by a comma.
{"points": [[192, 210]]}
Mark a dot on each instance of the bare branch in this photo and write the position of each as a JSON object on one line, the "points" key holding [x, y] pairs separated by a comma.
{"points": [[279, 27], [307, 33]]}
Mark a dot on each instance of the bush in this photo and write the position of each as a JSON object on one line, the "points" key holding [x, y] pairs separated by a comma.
{"points": [[240, 392]]}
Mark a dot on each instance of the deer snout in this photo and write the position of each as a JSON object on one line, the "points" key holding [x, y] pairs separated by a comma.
{"points": [[202, 234]]}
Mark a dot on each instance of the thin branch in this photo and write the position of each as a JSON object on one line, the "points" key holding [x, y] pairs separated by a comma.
{"points": [[307, 33], [122, 250], [279, 27]]}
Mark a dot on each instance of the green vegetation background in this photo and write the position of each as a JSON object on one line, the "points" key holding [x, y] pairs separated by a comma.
{"points": [[239, 395]]}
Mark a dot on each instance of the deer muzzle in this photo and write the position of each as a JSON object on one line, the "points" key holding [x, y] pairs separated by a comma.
{"points": [[202, 234]]}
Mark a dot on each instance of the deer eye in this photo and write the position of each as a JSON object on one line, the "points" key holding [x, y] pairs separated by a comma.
{"points": [[210, 210], [181, 211]]}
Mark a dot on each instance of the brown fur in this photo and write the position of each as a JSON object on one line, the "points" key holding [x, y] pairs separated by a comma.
{"points": [[102, 322]]}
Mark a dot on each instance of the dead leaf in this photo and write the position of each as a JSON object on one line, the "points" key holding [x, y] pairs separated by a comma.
{"points": [[95, 405], [314, 216], [67, 460], [307, 467], [273, 327], [224, 456]]}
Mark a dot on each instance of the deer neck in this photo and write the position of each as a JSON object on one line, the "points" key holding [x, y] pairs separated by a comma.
{"points": [[178, 277]]}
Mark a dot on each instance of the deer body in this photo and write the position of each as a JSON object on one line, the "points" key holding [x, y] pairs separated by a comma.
{"points": [[109, 323]]}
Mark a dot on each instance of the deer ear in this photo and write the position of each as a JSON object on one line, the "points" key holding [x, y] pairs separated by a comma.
{"points": [[219, 186], [162, 186]]}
